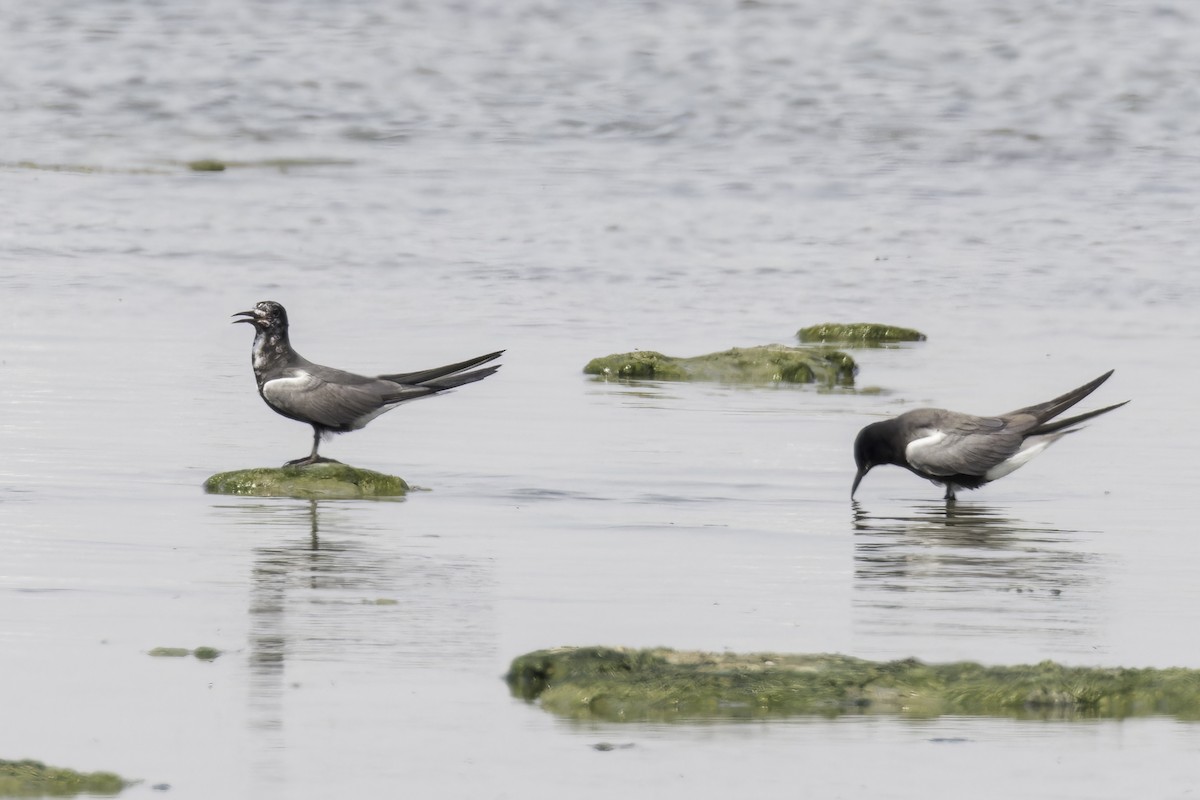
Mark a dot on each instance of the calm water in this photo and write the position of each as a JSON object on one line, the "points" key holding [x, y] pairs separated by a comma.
{"points": [[569, 180]]}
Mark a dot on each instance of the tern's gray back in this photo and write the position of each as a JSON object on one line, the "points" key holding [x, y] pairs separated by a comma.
{"points": [[942, 442]]}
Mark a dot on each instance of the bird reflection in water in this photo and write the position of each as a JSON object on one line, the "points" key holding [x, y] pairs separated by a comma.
{"points": [[339, 583], [974, 571], [279, 571]]}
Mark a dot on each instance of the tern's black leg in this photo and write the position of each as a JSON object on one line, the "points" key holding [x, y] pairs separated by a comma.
{"points": [[949, 492], [312, 458]]}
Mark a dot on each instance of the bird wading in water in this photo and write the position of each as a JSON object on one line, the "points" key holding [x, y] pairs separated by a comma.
{"points": [[962, 451], [332, 400]]}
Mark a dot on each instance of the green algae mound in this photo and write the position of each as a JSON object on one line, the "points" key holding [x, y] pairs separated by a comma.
{"points": [[28, 778], [618, 684], [202, 653], [169, 652], [771, 363], [858, 334], [206, 165], [313, 482]]}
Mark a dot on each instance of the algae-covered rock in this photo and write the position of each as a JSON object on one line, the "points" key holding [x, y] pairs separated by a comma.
{"points": [[765, 364], [315, 481], [644, 364], [860, 334], [620, 684], [29, 778]]}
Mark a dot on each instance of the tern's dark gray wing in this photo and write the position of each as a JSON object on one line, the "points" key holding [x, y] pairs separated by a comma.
{"points": [[946, 443], [1052, 408], [426, 375], [304, 395]]}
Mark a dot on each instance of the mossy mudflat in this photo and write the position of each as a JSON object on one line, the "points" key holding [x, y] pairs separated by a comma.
{"points": [[28, 778], [860, 334], [771, 363], [659, 684], [315, 481]]}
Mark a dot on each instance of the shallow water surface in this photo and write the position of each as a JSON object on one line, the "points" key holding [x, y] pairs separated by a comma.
{"points": [[568, 181]]}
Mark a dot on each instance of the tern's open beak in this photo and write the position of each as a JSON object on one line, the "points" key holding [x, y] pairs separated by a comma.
{"points": [[249, 316], [857, 480]]}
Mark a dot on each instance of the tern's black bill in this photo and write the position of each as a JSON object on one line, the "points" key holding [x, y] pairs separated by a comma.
{"points": [[857, 480]]}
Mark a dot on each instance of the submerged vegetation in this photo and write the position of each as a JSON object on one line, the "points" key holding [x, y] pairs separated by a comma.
{"points": [[860, 334], [764, 364], [329, 480], [29, 778], [660, 684]]}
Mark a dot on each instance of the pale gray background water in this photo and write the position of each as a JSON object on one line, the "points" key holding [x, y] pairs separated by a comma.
{"points": [[567, 180]]}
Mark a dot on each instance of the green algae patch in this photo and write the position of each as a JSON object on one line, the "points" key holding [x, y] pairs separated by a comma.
{"points": [[765, 364], [280, 164], [206, 165], [29, 778], [617, 684], [858, 334], [170, 652], [314, 482], [84, 169], [202, 653]]}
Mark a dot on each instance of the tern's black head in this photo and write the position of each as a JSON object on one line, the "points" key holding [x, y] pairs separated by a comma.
{"points": [[873, 446], [266, 316]]}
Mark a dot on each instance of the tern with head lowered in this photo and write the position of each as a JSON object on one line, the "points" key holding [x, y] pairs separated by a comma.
{"points": [[332, 400], [962, 451]]}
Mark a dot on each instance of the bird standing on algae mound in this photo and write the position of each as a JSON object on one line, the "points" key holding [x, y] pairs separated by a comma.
{"points": [[961, 451], [331, 400]]}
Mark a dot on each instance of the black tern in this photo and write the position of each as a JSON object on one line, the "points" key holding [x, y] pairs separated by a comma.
{"points": [[961, 451], [331, 400]]}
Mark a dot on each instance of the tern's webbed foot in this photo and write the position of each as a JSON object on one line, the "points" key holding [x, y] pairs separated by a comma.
{"points": [[309, 460]]}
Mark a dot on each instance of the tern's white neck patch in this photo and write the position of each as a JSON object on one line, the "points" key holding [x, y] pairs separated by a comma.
{"points": [[919, 450], [297, 379], [929, 438]]}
